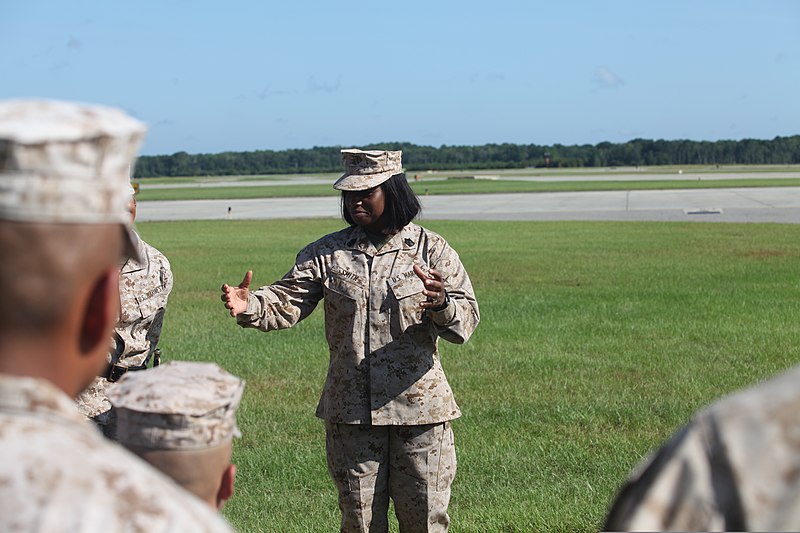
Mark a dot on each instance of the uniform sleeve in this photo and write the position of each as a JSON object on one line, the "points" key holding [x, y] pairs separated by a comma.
{"points": [[458, 320], [154, 331], [167, 277], [674, 490], [287, 301]]}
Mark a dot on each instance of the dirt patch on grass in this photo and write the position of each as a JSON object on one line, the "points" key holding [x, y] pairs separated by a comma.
{"points": [[761, 254]]}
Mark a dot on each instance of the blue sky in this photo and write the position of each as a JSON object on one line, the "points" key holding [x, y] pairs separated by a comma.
{"points": [[209, 77]]}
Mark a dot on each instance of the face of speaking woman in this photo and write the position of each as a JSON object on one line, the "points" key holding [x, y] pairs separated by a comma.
{"points": [[366, 208]]}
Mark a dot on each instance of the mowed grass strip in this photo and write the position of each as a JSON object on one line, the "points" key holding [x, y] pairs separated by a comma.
{"points": [[597, 341], [454, 186], [552, 172]]}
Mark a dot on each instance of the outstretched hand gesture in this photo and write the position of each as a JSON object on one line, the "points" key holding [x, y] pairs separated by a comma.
{"points": [[235, 298]]}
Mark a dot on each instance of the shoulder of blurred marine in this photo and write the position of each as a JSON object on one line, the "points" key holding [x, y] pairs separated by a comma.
{"points": [[737, 460], [79, 480]]}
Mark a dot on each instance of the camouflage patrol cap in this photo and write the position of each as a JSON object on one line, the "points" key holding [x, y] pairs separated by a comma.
{"points": [[64, 162], [179, 405], [367, 169]]}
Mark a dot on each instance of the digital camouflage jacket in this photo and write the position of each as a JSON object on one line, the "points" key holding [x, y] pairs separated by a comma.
{"points": [[384, 362], [143, 291]]}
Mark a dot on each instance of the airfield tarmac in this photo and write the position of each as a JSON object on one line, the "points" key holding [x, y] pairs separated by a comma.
{"points": [[767, 204], [743, 204]]}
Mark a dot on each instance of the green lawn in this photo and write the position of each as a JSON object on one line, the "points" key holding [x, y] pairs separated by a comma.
{"points": [[597, 341], [549, 172]]}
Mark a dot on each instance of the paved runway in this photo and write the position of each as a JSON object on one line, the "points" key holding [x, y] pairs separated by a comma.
{"points": [[769, 204]]}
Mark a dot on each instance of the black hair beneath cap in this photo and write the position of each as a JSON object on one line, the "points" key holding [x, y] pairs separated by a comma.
{"points": [[401, 204]]}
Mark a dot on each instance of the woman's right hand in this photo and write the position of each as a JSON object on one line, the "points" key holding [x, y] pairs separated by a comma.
{"points": [[235, 298]]}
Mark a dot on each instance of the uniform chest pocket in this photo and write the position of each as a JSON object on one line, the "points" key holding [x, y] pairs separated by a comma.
{"points": [[341, 290], [150, 303], [344, 309], [405, 309], [407, 288]]}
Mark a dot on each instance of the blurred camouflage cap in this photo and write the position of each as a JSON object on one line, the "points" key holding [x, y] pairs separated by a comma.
{"points": [[65, 162], [364, 169], [179, 405]]}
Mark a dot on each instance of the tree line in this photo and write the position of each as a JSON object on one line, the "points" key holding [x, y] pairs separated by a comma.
{"points": [[638, 152]]}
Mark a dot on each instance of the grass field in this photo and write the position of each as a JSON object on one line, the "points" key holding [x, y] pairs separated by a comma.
{"points": [[506, 172], [597, 341]]}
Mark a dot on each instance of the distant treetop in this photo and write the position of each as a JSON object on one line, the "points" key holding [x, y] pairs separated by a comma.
{"points": [[638, 152]]}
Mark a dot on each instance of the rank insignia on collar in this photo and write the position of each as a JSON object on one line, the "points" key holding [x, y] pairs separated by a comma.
{"points": [[408, 242]]}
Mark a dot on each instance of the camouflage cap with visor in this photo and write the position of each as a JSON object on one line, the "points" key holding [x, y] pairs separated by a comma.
{"points": [[179, 406], [365, 169], [65, 162]]}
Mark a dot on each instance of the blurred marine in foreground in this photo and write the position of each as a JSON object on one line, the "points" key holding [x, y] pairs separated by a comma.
{"points": [[735, 467], [64, 231]]}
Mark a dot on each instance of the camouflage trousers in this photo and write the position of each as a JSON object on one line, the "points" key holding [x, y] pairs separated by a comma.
{"points": [[414, 465]]}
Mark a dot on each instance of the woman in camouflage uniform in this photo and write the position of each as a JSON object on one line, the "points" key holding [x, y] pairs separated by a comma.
{"points": [[390, 288]]}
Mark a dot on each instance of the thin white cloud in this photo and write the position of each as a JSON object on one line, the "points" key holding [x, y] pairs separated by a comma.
{"points": [[605, 78], [268, 91], [490, 77], [319, 87], [60, 65]]}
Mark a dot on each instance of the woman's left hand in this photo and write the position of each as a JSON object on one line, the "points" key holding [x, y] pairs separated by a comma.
{"points": [[434, 287]]}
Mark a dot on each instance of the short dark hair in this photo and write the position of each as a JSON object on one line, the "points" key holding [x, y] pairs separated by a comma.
{"points": [[401, 204]]}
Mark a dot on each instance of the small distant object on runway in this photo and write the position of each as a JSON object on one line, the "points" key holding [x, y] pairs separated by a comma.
{"points": [[492, 177], [706, 211]]}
